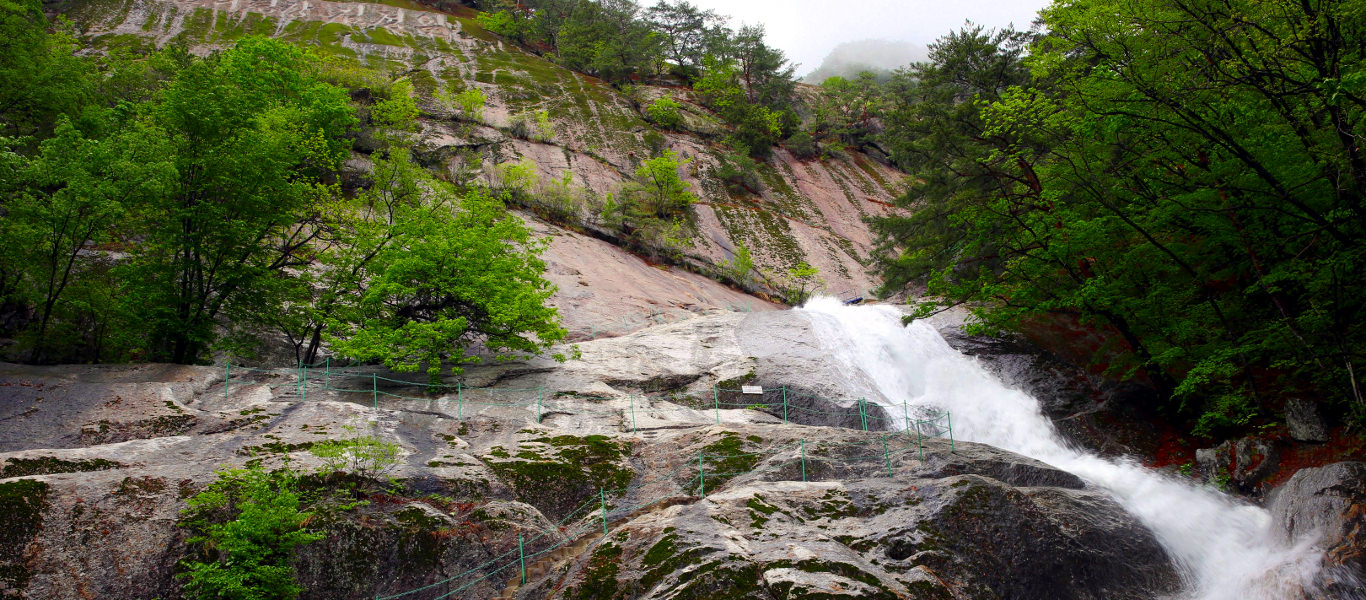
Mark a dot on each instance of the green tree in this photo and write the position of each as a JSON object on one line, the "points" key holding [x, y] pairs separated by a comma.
{"points": [[607, 38], [254, 137], [1178, 173], [464, 272], [659, 190], [70, 196], [685, 30], [244, 528], [40, 77]]}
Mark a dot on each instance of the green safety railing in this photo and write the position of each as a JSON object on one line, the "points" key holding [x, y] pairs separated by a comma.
{"points": [[594, 514]]}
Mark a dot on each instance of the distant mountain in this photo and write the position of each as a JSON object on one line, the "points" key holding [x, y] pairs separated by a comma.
{"points": [[879, 56]]}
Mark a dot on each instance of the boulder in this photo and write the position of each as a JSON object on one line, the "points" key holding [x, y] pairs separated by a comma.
{"points": [[1305, 420], [1330, 503], [1239, 465], [932, 530]]}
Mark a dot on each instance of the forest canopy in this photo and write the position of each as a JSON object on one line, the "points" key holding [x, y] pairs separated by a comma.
{"points": [[1188, 176], [167, 207]]}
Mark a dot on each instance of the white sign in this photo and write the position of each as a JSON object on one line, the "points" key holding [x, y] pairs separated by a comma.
{"points": [[752, 389]]}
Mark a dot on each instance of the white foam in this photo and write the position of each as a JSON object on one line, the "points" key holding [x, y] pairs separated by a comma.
{"points": [[1224, 549]]}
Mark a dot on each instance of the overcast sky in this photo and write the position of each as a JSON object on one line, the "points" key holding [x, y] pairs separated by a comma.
{"points": [[806, 30]]}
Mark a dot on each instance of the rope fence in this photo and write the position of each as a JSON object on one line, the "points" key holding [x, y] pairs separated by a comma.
{"points": [[594, 516]]}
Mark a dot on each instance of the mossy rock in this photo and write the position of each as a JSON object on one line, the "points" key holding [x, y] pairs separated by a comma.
{"points": [[557, 475], [46, 465], [22, 503]]}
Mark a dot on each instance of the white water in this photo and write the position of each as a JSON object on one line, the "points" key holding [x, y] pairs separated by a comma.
{"points": [[1225, 550]]}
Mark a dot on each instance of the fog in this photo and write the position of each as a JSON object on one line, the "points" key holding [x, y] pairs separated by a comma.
{"points": [[879, 56], [808, 30]]}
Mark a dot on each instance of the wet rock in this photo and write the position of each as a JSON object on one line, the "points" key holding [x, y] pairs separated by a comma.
{"points": [[1329, 502], [1239, 465], [920, 533], [1108, 417], [1305, 420]]}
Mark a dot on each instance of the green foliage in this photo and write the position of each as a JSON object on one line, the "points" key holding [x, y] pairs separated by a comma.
{"points": [[471, 103], [506, 23], [465, 272], [664, 112], [1166, 172], [253, 135], [244, 528], [535, 127], [608, 39], [40, 77], [517, 179], [738, 173], [399, 111], [686, 32], [659, 189], [802, 281], [363, 455], [845, 111], [739, 267]]}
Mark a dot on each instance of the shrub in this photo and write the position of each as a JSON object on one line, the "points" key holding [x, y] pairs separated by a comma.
{"points": [[244, 528], [366, 456], [665, 113]]}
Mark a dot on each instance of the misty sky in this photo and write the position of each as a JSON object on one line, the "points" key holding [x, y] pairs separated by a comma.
{"points": [[806, 30]]}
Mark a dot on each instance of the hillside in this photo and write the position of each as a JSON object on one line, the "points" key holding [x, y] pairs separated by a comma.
{"points": [[803, 211]]}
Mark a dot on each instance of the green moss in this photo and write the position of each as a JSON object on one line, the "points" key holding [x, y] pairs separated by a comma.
{"points": [[711, 581], [671, 563], [557, 474], [274, 448], [660, 551], [600, 576], [47, 465], [197, 26], [22, 503], [380, 35], [833, 505], [727, 458], [838, 568]]}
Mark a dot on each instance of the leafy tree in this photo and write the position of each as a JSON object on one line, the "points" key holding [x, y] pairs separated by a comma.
{"points": [[607, 38], [40, 77], [244, 528], [803, 280], [465, 272], [1178, 173], [254, 136], [356, 234], [686, 30], [846, 109], [71, 195], [664, 112], [659, 190]]}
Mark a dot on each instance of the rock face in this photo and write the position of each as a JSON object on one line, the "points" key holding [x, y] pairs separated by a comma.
{"points": [[1305, 420], [1108, 417], [1330, 502], [799, 211], [1243, 464], [626, 439]]}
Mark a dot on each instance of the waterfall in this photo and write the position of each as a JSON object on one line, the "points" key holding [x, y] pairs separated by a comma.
{"points": [[1224, 549]]}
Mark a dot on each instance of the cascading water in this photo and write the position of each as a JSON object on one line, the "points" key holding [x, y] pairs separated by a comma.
{"points": [[1225, 550]]}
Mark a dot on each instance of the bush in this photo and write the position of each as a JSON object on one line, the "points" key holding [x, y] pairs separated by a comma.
{"points": [[665, 113], [244, 528], [366, 456], [534, 127], [739, 173], [802, 146]]}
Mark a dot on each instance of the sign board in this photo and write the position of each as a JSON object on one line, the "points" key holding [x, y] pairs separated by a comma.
{"points": [[752, 389]]}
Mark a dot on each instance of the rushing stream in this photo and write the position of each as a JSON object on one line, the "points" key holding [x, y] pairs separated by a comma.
{"points": [[1225, 550]]}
